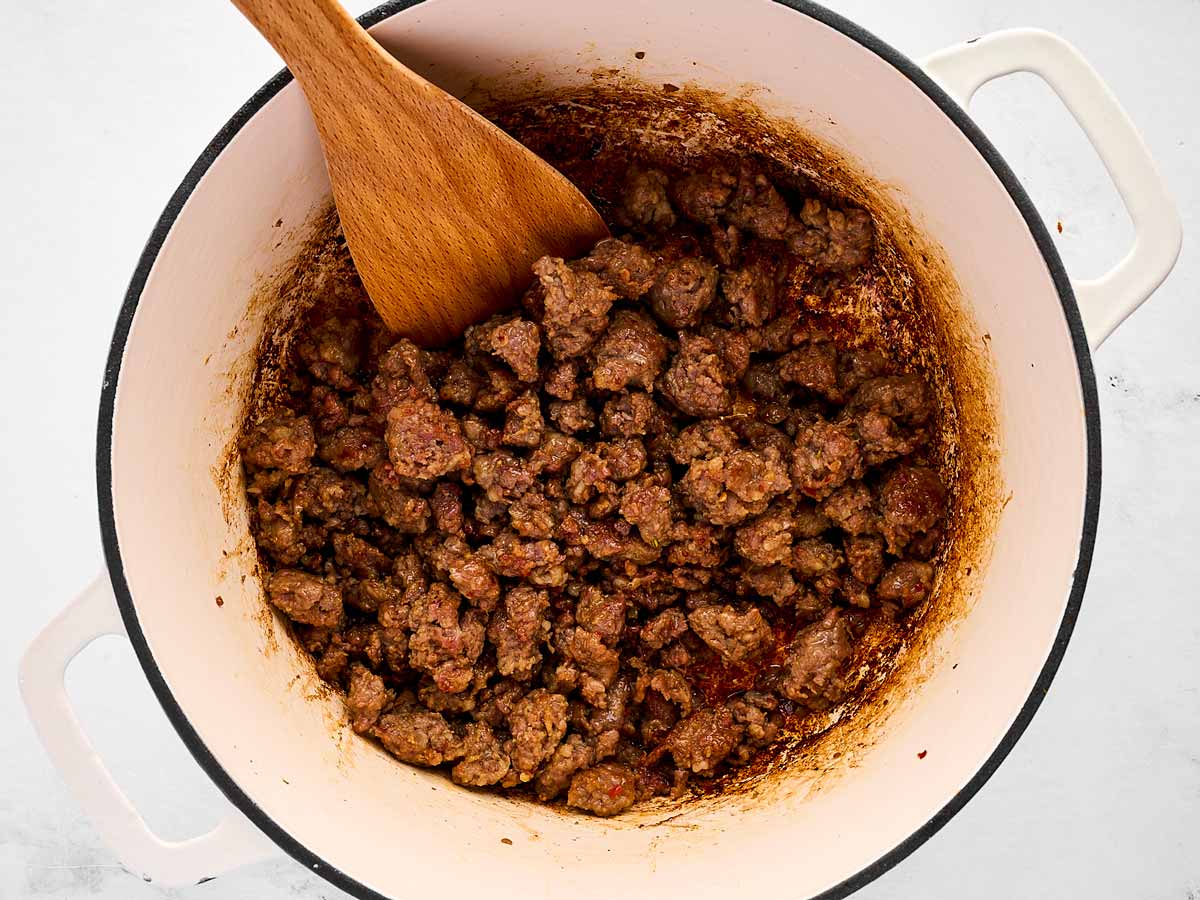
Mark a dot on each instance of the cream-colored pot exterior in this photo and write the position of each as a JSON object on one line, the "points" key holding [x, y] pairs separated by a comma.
{"points": [[227, 675]]}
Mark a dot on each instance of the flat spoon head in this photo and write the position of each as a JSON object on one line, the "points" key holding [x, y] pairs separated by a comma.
{"points": [[443, 212]]}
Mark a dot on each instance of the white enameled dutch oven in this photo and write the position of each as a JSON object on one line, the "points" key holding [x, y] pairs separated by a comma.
{"points": [[233, 685]]}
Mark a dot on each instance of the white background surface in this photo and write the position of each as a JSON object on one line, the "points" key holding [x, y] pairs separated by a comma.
{"points": [[104, 106]]}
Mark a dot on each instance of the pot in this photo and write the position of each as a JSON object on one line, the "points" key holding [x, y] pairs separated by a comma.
{"points": [[237, 690]]}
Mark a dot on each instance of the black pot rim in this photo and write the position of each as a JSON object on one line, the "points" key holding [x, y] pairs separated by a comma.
{"points": [[1041, 237]]}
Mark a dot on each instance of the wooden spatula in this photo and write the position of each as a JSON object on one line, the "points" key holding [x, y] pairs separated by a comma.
{"points": [[443, 212]]}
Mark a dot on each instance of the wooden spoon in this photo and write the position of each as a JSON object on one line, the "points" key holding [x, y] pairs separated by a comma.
{"points": [[443, 212]]}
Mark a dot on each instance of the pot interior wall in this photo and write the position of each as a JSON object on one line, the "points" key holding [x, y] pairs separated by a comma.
{"points": [[282, 738]]}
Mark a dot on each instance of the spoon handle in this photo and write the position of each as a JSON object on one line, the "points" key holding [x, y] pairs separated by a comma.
{"points": [[321, 43]]}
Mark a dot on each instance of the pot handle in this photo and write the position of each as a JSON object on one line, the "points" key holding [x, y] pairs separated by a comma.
{"points": [[233, 842], [1106, 301]]}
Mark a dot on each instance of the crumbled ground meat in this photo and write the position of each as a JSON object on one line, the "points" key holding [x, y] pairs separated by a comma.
{"points": [[813, 667], [734, 635], [536, 557], [606, 789]]}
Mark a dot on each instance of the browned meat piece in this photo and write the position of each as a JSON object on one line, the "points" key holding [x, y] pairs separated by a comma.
{"points": [[831, 239], [752, 292], [368, 594], [396, 503], [813, 558], [864, 556], [703, 440], [860, 365], [589, 476], [882, 438], [644, 202], [501, 475], [724, 490], [605, 790], [401, 376], [589, 653], [494, 704], [631, 353], [572, 416], [647, 505], [664, 628], [766, 540], [499, 387], [824, 457], [667, 684], [305, 598], [562, 380], [442, 644], [283, 441], [852, 509], [756, 206], [703, 196], [683, 291], [516, 341], [775, 582], [332, 351], [735, 635], [425, 441], [538, 561], [538, 722], [467, 572], [446, 504], [362, 559], [365, 699], [855, 593], [626, 458], [760, 436], [517, 631], [328, 411], [393, 618], [813, 366], [810, 521], [555, 453], [573, 754], [325, 495], [812, 670], [697, 544], [702, 741], [280, 532], [483, 760], [626, 268], [732, 346], [479, 434], [756, 711], [419, 737], [532, 516], [433, 697], [461, 385], [906, 582], [912, 499], [626, 415], [905, 398], [659, 716], [698, 381], [601, 613], [576, 304], [523, 424], [924, 545]]}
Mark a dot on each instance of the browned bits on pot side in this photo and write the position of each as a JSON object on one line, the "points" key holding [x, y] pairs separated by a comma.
{"points": [[606, 547]]}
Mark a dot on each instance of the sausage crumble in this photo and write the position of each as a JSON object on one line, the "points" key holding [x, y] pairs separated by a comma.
{"points": [[607, 544]]}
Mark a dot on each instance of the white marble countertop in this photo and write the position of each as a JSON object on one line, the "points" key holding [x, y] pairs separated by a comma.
{"points": [[106, 105]]}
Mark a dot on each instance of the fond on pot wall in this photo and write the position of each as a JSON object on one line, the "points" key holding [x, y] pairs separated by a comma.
{"points": [[275, 741]]}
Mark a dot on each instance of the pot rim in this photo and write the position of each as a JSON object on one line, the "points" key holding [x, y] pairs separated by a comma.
{"points": [[1041, 236]]}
